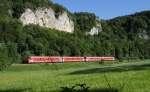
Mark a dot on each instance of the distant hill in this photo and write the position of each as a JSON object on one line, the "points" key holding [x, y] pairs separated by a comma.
{"points": [[132, 32], [40, 27], [136, 24]]}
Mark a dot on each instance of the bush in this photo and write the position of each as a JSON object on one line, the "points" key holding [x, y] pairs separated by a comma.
{"points": [[5, 61], [8, 54]]}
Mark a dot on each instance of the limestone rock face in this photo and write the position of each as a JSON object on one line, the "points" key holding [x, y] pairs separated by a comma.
{"points": [[95, 30], [144, 34], [45, 17]]}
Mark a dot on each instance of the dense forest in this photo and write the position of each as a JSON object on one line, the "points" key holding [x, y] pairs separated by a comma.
{"points": [[123, 37]]}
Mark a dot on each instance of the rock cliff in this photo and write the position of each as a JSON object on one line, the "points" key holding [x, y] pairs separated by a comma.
{"points": [[95, 30], [45, 17]]}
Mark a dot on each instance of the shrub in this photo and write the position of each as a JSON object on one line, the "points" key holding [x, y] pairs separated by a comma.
{"points": [[8, 54], [5, 61]]}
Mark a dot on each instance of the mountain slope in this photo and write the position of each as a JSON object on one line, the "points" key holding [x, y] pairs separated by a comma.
{"points": [[132, 32], [123, 37]]}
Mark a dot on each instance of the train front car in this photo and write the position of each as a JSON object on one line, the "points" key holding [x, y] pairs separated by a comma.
{"points": [[44, 59], [73, 59], [29, 60]]}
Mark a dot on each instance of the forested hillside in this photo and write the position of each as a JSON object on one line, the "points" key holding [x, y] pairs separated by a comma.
{"points": [[123, 37], [131, 34]]}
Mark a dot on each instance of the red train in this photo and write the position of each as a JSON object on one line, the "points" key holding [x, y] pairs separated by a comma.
{"points": [[56, 59]]}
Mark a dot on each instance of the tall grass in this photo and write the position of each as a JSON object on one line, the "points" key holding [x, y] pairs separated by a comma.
{"points": [[126, 77]]}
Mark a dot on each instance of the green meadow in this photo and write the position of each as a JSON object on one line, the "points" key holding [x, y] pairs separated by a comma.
{"points": [[123, 77]]}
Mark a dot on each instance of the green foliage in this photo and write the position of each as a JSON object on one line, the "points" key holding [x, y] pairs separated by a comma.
{"points": [[126, 32], [8, 55], [85, 21], [4, 59]]}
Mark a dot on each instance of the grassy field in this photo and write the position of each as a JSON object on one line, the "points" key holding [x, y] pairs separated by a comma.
{"points": [[125, 77]]}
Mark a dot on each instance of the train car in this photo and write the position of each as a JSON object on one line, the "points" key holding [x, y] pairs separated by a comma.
{"points": [[73, 59], [108, 58], [44, 59], [93, 59]]}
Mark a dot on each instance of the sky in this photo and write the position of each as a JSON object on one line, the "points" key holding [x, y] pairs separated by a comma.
{"points": [[106, 9]]}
